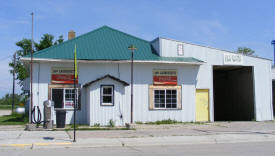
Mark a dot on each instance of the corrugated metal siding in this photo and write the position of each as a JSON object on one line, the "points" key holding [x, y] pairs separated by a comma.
{"points": [[262, 84], [142, 78], [103, 114], [88, 107], [40, 91]]}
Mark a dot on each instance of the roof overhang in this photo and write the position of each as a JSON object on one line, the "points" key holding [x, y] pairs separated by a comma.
{"points": [[106, 76], [109, 61]]}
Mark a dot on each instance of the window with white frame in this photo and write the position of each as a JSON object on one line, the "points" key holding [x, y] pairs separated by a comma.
{"points": [[165, 98], [107, 95], [64, 98], [70, 96]]}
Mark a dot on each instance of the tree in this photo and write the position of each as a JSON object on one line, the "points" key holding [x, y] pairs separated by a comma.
{"points": [[7, 99], [45, 42], [60, 40], [245, 51], [21, 69]]}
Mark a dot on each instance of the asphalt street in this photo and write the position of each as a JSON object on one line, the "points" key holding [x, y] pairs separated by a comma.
{"points": [[224, 149]]}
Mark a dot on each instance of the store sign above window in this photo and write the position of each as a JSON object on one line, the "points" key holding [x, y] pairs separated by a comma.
{"points": [[165, 77], [63, 75], [232, 59]]}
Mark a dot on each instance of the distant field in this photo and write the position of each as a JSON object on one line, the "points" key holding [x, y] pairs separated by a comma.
{"points": [[13, 119]]}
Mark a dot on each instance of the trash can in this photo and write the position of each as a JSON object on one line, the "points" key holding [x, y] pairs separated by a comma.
{"points": [[60, 118]]}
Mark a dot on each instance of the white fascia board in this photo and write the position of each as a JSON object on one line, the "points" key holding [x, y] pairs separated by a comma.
{"points": [[108, 61]]}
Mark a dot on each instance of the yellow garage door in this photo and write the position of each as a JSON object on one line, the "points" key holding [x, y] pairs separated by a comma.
{"points": [[202, 105]]}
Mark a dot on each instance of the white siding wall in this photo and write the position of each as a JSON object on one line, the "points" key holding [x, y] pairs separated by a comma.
{"points": [[41, 79], [143, 78], [103, 114], [156, 45], [273, 73], [262, 73], [92, 113]]}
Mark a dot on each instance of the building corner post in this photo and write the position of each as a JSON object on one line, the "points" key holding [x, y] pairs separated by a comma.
{"points": [[132, 64]]}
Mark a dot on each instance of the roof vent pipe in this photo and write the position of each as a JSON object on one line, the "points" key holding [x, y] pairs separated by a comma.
{"points": [[71, 34]]}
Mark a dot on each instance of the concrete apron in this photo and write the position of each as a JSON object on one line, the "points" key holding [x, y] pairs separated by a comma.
{"points": [[62, 140]]}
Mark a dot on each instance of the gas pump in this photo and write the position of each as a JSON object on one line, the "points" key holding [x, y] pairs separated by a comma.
{"points": [[48, 114]]}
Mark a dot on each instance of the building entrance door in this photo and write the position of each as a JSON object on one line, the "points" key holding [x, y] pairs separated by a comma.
{"points": [[202, 105]]}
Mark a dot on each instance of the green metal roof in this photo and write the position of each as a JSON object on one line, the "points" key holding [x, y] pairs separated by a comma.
{"points": [[106, 43]]}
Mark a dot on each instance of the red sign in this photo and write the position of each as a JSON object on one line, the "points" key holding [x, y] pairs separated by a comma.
{"points": [[63, 75], [63, 79], [165, 77], [165, 80]]}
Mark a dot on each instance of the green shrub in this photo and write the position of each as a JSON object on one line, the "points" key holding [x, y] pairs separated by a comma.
{"points": [[111, 123], [139, 122], [97, 125], [160, 122]]}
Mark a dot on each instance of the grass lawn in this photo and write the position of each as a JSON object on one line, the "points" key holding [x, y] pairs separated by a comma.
{"points": [[93, 128], [168, 121], [7, 107], [14, 119]]}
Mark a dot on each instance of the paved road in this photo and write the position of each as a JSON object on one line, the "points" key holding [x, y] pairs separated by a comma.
{"points": [[226, 149]]}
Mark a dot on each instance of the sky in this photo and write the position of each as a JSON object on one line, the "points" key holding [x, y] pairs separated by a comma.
{"points": [[221, 24]]}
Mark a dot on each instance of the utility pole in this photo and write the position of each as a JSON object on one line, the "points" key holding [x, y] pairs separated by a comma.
{"points": [[132, 48], [13, 85], [31, 97]]}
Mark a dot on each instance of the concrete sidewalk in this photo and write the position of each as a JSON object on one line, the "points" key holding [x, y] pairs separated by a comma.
{"points": [[144, 135]]}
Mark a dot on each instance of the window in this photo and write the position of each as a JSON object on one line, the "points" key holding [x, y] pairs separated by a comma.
{"points": [[64, 98], [180, 49], [69, 95], [165, 98], [107, 95]]}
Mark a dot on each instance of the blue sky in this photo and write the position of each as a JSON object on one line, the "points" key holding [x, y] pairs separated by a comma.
{"points": [[216, 23]]}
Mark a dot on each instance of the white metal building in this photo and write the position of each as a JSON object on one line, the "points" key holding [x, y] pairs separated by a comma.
{"points": [[172, 80]]}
